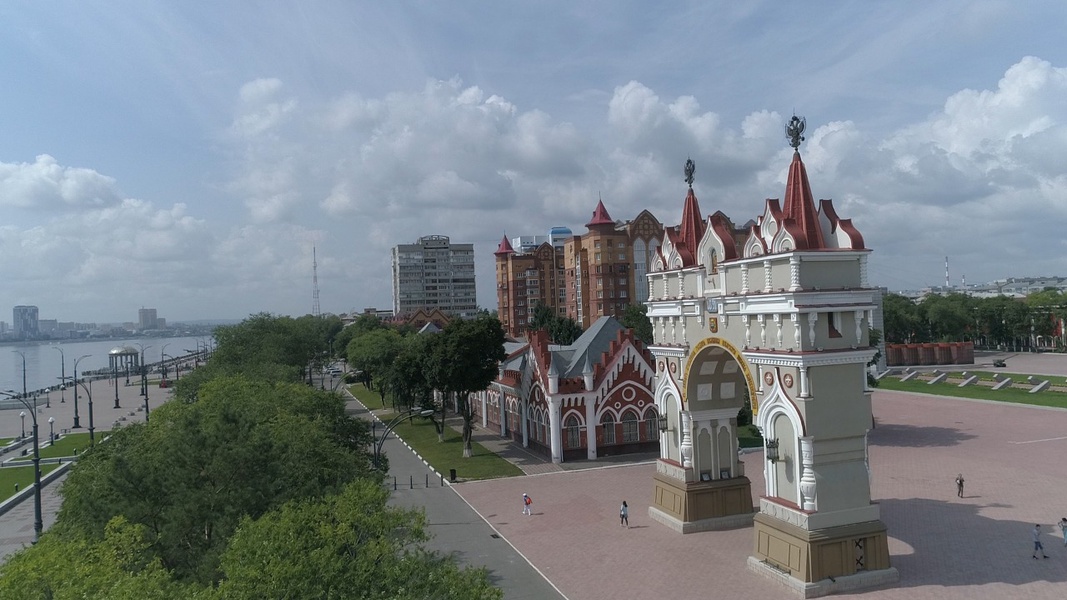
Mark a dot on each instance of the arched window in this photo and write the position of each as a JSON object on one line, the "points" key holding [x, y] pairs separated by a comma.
{"points": [[608, 422], [574, 432], [629, 427], [651, 424]]}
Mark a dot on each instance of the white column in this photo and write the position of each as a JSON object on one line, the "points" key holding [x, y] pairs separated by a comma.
{"points": [[794, 273], [590, 428], [485, 414], [554, 429], [767, 281], [687, 441], [807, 476]]}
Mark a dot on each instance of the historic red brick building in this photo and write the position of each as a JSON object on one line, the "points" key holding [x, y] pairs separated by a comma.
{"points": [[589, 399]]}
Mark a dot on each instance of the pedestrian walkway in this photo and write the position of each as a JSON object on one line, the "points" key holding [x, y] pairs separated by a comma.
{"points": [[457, 529]]}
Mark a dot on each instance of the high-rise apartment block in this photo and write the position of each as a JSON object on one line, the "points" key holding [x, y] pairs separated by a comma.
{"points": [[146, 319], [24, 319], [583, 277], [434, 273]]}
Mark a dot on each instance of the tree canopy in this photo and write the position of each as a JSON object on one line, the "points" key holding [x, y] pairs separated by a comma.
{"points": [[248, 467]]}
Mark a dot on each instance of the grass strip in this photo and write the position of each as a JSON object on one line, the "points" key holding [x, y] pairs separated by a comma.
{"points": [[23, 476], [1013, 395], [421, 434]]}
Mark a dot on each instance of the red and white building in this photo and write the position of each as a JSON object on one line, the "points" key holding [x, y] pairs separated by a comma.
{"points": [[589, 399]]}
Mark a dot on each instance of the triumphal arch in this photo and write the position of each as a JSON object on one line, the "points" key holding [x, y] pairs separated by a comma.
{"points": [[775, 313]]}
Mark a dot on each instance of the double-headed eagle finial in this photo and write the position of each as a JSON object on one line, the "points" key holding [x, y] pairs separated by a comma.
{"points": [[794, 131], [690, 168]]}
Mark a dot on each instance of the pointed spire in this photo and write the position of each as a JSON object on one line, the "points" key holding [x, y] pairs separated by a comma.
{"points": [[504, 247], [600, 216], [799, 203], [691, 231]]}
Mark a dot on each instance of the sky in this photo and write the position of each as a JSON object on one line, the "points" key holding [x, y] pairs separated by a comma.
{"points": [[188, 156]]}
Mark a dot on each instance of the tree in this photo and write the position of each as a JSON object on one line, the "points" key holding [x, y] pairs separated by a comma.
{"points": [[901, 319], [264, 347], [341, 546], [564, 331], [120, 566], [949, 317], [543, 317], [374, 353], [561, 330], [195, 470], [636, 318], [407, 377], [465, 359]]}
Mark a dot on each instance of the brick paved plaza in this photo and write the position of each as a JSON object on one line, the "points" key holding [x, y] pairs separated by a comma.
{"points": [[1014, 460]]}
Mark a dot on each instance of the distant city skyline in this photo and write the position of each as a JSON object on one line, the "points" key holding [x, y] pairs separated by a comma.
{"points": [[190, 157]]}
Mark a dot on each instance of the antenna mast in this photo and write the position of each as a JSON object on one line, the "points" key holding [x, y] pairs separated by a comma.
{"points": [[315, 283]]}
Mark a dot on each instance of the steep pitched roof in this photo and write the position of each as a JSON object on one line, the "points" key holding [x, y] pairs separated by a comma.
{"points": [[800, 207], [504, 247], [600, 216], [691, 230]]}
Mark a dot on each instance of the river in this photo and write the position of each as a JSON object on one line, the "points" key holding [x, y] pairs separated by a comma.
{"points": [[47, 360]]}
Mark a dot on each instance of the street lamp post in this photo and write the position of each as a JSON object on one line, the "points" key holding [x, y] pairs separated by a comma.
{"points": [[426, 412], [163, 361], [77, 419], [38, 523], [51, 430], [144, 381], [115, 376], [62, 375]]}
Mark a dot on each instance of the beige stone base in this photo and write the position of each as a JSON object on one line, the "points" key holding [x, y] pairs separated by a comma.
{"points": [[839, 585], [822, 561], [688, 507]]}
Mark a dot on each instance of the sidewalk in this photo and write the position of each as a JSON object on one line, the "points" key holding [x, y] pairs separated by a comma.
{"points": [[456, 528]]}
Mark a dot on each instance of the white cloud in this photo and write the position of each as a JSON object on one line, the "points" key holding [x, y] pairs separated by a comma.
{"points": [[44, 184]]}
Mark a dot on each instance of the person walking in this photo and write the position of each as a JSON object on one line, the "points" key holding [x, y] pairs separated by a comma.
{"points": [[624, 515], [1063, 529], [1037, 542], [959, 485], [526, 502]]}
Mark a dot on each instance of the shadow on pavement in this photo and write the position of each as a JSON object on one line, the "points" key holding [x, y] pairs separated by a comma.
{"points": [[916, 436], [968, 548]]}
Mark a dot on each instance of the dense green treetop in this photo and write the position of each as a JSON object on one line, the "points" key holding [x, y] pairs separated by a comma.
{"points": [[348, 545], [636, 318], [197, 468]]}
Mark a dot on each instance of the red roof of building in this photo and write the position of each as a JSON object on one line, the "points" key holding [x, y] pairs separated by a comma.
{"points": [[600, 216], [800, 207], [504, 247]]}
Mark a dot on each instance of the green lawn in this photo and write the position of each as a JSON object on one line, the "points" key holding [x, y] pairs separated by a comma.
{"points": [[1015, 377], [23, 476], [422, 435], [1016, 395]]}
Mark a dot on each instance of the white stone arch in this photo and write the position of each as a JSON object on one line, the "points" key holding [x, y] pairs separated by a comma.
{"points": [[668, 401], [753, 246], [777, 410], [783, 242]]}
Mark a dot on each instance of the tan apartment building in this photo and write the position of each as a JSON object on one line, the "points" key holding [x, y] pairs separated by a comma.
{"points": [[583, 277]]}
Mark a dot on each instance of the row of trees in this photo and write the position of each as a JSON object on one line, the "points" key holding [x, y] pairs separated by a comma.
{"points": [[990, 322], [457, 361], [564, 330], [249, 484]]}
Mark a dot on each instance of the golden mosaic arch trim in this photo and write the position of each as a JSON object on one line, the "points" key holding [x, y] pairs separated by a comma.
{"points": [[733, 352]]}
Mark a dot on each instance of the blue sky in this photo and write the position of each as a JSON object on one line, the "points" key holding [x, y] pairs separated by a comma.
{"points": [[186, 156]]}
